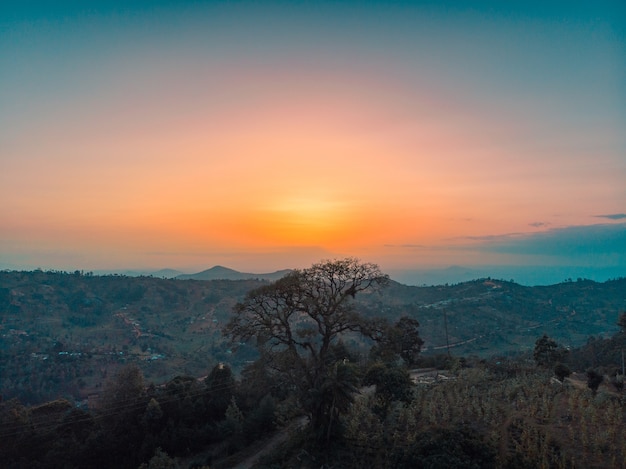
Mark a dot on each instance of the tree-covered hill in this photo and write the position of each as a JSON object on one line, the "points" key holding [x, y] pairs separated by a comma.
{"points": [[62, 334], [488, 317], [167, 392]]}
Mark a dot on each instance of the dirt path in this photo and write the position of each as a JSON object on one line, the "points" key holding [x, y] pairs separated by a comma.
{"points": [[280, 437]]}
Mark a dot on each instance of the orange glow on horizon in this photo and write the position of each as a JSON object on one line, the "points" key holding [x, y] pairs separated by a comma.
{"points": [[238, 156]]}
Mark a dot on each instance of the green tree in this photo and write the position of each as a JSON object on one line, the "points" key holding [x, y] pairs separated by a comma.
{"points": [[594, 379], [153, 414], [232, 427], [547, 352], [393, 383], [160, 460], [562, 371], [220, 385], [460, 447], [183, 400], [400, 340], [124, 391], [256, 383], [123, 403], [297, 320]]}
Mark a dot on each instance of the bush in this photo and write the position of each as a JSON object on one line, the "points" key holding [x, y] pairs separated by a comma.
{"points": [[562, 371], [594, 379], [451, 448]]}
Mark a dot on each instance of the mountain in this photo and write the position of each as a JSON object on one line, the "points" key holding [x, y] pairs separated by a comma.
{"points": [[166, 273], [224, 273]]}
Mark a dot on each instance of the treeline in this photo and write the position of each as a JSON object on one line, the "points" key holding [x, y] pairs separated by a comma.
{"points": [[487, 414], [490, 413], [360, 411], [131, 421]]}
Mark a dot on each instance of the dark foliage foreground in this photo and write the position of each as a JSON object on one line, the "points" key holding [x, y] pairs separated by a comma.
{"points": [[504, 415]]}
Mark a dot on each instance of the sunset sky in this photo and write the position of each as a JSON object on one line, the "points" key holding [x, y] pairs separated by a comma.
{"points": [[268, 135]]}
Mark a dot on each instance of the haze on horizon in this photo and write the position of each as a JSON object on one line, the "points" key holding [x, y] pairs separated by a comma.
{"points": [[270, 135]]}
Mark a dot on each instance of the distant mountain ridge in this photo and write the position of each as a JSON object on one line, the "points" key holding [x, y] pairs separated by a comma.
{"points": [[219, 272], [167, 273], [521, 274], [162, 273]]}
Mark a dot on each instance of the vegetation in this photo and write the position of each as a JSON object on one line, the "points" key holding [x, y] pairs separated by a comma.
{"points": [[297, 322], [62, 335], [547, 352], [65, 334], [323, 359], [489, 415]]}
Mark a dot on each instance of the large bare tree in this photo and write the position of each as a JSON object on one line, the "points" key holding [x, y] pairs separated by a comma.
{"points": [[297, 322]]}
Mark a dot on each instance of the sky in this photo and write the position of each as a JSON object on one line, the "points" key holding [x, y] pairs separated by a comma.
{"points": [[270, 135]]}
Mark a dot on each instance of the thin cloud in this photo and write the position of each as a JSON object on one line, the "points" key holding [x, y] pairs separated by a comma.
{"points": [[612, 216], [589, 243], [488, 238], [406, 246], [538, 224]]}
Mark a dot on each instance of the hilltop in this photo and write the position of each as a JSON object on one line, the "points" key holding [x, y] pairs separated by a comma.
{"points": [[224, 273]]}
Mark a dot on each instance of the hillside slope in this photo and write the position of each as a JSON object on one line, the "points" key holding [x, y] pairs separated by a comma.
{"points": [[63, 334], [487, 317]]}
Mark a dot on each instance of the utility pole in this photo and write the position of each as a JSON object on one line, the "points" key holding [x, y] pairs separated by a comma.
{"points": [[445, 321]]}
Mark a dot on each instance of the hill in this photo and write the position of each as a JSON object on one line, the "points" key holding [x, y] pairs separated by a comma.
{"points": [[63, 334], [488, 317], [166, 273], [224, 273]]}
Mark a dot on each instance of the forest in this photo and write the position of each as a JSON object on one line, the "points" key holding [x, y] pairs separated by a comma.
{"points": [[325, 379]]}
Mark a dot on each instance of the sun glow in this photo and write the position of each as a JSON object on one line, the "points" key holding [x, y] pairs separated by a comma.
{"points": [[303, 220], [231, 141]]}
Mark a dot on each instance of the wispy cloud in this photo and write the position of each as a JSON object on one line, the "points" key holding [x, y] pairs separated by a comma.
{"points": [[592, 244], [406, 246], [488, 238], [539, 224], [589, 246], [612, 216]]}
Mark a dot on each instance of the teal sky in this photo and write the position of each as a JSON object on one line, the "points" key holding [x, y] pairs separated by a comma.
{"points": [[263, 135]]}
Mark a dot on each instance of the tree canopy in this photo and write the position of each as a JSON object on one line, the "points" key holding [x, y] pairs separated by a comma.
{"points": [[547, 352], [298, 320], [398, 340]]}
